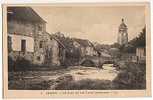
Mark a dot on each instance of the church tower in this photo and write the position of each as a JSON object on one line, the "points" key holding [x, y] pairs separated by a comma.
{"points": [[122, 34]]}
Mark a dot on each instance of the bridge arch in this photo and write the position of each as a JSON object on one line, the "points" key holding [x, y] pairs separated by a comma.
{"points": [[108, 62], [87, 62], [96, 61]]}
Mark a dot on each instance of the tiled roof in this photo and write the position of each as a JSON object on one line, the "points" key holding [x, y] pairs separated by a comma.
{"points": [[23, 13], [83, 42]]}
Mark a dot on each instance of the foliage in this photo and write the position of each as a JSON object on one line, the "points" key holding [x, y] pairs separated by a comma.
{"points": [[115, 53], [28, 85], [72, 54], [20, 64], [115, 45], [133, 76], [85, 84], [11, 62], [140, 40]]}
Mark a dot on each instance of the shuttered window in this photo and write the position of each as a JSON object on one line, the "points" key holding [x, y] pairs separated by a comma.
{"points": [[23, 45]]}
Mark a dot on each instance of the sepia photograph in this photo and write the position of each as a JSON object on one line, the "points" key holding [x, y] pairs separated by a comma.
{"points": [[71, 47]]}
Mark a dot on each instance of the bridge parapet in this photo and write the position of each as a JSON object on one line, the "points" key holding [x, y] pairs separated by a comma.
{"points": [[96, 61]]}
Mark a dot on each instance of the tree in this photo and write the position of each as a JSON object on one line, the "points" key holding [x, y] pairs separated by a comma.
{"points": [[140, 40]]}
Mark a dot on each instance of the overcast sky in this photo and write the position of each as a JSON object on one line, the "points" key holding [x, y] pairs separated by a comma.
{"points": [[98, 24]]}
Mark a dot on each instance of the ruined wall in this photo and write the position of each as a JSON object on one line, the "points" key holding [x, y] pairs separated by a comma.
{"points": [[49, 53], [40, 50], [62, 56], [55, 53]]}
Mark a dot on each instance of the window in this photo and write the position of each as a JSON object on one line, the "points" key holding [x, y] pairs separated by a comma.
{"points": [[23, 45], [38, 58], [41, 44], [39, 28]]}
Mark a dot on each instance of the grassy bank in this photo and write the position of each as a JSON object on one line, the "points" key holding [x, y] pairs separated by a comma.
{"points": [[131, 76]]}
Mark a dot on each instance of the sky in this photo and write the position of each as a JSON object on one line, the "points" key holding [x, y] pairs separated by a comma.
{"points": [[95, 23]]}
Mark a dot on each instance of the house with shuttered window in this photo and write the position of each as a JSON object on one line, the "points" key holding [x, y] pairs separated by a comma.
{"points": [[28, 39]]}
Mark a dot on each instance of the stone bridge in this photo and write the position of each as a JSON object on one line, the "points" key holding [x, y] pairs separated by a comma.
{"points": [[96, 61]]}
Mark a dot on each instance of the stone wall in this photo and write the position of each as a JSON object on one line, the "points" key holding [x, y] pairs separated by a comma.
{"points": [[25, 27], [20, 27], [55, 53], [40, 48], [48, 54]]}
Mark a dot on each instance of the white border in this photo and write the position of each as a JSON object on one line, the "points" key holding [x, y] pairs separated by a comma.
{"points": [[72, 1]]}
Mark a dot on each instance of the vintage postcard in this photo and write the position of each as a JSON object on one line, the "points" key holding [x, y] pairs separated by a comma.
{"points": [[76, 50]]}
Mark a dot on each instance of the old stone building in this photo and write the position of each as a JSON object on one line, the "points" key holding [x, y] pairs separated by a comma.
{"points": [[22, 26], [85, 46], [122, 34], [27, 38]]}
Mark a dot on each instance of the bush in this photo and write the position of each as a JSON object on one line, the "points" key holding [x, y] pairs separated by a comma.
{"points": [[11, 62], [44, 85], [131, 77], [16, 85], [28, 85], [86, 84], [21, 64]]}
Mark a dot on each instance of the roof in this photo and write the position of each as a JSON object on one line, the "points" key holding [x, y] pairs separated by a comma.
{"points": [[114, 49], [83, 42], [23, 13]]}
